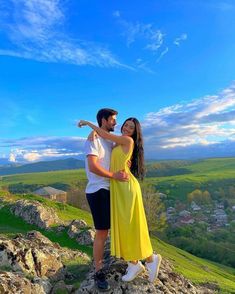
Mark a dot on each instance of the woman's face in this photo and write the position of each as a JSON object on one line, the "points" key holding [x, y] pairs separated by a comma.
{"points": [[128, 128]]}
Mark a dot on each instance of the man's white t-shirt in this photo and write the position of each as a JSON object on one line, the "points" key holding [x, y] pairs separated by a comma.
{"points": [[102, 149]]}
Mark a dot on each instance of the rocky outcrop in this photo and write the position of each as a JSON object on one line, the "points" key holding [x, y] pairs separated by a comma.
{"points": [[79, 229], [16, 283], [168, 281], [33, 264], [33, 212], [33, 256], [86, 237], [76, 227]]}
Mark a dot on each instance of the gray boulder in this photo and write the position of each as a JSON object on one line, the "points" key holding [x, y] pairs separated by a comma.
{"points": [[33, 212]]}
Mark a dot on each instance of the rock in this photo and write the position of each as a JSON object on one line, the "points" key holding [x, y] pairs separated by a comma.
{"points": [[33, 212], [75, 227], [36, 255], [42, 283], [16, 283], [31, 256], [168, 281], [86, 237], [60, 228]]}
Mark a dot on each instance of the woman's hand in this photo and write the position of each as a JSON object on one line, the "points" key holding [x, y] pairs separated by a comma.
{"points": [[82, 123]]}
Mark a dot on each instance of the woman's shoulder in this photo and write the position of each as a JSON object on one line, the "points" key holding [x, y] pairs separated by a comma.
{"points": [[128, 139]]}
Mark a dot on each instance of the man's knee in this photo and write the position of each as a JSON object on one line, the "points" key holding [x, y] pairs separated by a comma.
{"points": [[101, 234]]}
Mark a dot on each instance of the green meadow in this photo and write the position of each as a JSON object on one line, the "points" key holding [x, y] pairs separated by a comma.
{"points": [[208, 174]]}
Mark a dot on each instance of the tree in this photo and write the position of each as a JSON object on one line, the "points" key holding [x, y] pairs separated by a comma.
{"points": [[199, 197], [154, 208]]}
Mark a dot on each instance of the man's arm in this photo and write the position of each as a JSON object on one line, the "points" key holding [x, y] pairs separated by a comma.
{"points": [[97, 169]]}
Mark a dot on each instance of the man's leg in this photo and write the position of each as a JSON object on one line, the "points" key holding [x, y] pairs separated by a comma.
{"points": [[99, 203], [98, 248]]}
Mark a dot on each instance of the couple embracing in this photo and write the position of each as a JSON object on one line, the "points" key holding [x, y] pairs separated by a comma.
{"points": [[113, 164]]}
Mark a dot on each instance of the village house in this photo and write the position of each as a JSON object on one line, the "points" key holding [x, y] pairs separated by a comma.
{"points": [[220, 217], [184, 213], [195, 207], [220, 206], [170, 213], [187, 220], [52, 194]]}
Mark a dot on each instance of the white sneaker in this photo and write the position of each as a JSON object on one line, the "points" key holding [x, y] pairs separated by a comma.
{"points": [[153, 267], [132, 271]]}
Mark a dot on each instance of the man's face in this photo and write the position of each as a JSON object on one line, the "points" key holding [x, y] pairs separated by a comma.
{"points": [[110, 123]]}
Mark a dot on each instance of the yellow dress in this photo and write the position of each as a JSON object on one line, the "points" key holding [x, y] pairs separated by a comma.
{"points": [[129, 230]]}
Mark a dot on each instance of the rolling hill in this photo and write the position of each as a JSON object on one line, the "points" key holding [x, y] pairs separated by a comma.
{"points": [[43, 166]]}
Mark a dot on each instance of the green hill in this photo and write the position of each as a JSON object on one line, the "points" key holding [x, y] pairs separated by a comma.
{"points": [[198, 270], [43, 166], [208, 174], [70, 177]]}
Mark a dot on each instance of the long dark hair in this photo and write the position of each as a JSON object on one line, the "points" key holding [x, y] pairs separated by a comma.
{"points": [[137, 159]]}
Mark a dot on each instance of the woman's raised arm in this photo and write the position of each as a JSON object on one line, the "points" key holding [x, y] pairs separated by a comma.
{"points": [[121, 140]]}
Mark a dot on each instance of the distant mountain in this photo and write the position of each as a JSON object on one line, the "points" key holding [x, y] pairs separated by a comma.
{"points": [[43, 166]]}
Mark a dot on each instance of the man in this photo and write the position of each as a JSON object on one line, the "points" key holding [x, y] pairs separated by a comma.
{"points": [[98, 154]]}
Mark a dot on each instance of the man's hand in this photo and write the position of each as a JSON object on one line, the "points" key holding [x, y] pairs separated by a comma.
{"points": [[121, 175]]}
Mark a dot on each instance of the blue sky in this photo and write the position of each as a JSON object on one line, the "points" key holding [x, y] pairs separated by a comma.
{"points": [[171, 64]]}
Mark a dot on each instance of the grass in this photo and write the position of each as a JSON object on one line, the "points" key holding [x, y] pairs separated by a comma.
{"points": [[197, 270], [70, 177], [11, 225], [78, 272]]}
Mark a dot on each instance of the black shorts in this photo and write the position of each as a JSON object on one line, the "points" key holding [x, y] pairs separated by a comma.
{"points": [[99, 203]]}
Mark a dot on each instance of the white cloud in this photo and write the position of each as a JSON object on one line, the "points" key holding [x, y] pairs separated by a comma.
{"points": [[35, 30], [146, 36], [164, 52], [178, 40], [43, 148], [143, 65], [199, 128], [202, 122], [156, 38], [152, 36]]}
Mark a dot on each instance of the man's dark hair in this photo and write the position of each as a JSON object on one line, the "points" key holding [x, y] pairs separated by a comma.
{"points": [[104, 113]]}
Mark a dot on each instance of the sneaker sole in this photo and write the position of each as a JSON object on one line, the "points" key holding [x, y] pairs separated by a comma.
{"points": [[158, 267], [138, 273]]}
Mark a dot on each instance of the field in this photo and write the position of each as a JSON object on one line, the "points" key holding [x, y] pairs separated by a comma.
{"points": [[208, 174]]}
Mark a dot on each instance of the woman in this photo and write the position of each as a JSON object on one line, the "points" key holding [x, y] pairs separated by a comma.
{"points": [[129, 231]]}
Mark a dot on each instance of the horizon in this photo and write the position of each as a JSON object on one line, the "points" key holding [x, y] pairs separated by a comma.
{"points": [[171, 64], [17, 164]]}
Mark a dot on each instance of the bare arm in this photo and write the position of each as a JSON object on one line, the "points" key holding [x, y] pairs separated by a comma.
{"points": [[121, 140], [97, 169]]}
